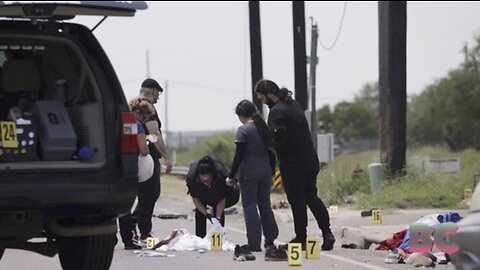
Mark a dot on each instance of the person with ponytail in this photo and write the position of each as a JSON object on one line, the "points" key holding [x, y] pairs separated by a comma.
{"points": [[254, 156], [298, 160]]}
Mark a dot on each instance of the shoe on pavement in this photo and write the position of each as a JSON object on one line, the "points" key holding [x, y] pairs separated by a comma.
{"points": [[294, 241], [132, 246], [142, 240], [328, 241], [275, 254], [242, 253]]}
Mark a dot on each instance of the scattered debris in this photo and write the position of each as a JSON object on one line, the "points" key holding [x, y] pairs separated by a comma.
{"points": [[231, 211], [170, 216], [281, 205], [350, 246], [367, 213], [143, 253]]}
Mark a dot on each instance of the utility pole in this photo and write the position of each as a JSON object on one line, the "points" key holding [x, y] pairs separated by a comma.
{"points": [[312, 81], [300, 54], [255, 49], [392, 21]]}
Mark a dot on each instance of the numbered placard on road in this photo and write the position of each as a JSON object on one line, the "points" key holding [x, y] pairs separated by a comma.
{"points": [[8, 134], [216, 241], [294, 254], [313, 248], [467, 193], [152, 242], [376, 216], [333, 209]]}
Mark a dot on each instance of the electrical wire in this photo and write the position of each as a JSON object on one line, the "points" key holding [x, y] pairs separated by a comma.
{"points": [[338, 33]]}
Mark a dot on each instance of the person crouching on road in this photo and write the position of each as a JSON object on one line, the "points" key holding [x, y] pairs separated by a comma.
{"points": [[206, 185]]}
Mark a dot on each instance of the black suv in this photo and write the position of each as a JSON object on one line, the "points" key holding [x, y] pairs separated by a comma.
{"points": [[68, 151]]}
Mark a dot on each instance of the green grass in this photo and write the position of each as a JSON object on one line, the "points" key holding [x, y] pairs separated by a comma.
{"points": [[414, 190], [336, 185]]}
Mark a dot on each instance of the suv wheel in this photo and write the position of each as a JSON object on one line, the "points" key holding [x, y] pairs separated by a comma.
{"points": [[87, 252]]}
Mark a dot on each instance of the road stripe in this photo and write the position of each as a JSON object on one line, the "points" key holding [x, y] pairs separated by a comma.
{"points": [[332, 256], [361, 264], [335, 257]]}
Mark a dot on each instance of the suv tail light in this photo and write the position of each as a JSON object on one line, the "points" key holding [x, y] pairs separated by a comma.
{"points": [[129, 133]]}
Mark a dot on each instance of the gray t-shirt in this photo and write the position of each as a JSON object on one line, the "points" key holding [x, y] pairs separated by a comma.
{"points": [[255, 162]]}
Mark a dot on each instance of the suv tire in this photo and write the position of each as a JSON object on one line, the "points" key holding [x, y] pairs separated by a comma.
{"points": [[87, 252]]}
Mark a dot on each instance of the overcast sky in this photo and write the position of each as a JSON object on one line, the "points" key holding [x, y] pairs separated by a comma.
{"points": [[202, 50]]}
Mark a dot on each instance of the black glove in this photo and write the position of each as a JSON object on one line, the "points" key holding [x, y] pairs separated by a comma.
{"points": [[209, 217]]}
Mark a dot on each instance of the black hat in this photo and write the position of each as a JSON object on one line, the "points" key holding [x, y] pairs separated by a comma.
{"points": [[151, 83]]}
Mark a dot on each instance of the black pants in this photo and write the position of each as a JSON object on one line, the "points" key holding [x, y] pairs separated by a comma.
{"points": [[126, 228], [256, 192], [201, 221], [300, 184], [148, 194]]}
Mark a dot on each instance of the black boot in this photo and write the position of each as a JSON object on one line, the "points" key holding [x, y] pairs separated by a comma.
{"points": [[328, 241]]}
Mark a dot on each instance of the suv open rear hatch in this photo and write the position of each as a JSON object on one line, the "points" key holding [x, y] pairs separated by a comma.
{"points": [[68, 10]]}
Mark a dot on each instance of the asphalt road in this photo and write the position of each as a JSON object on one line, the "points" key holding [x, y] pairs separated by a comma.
{"points": [[347, 224]]}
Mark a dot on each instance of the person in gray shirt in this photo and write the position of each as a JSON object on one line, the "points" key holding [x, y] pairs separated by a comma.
{"points": [[255, 153]]}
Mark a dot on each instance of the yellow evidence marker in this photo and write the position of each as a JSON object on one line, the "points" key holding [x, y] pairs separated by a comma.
{"points": [[216, 241], [152, 242], [467, 193], [333, 209], [294, 254], [377, 216], [8, 134], [313, 248]]}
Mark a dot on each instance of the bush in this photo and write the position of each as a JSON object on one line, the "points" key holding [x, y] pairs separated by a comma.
{"points": [[221, 147]]}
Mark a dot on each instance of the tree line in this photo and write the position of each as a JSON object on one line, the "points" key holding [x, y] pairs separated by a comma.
{"points": [[446, 112]]}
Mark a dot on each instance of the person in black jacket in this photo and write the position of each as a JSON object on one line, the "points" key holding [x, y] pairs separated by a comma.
{"points": [[298, 160], [206, 185]]}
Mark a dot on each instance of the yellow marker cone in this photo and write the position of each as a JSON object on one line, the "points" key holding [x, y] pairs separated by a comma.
{"points": [[467, 193], [152, 242], [376, 216], [333, 209], [313, 248], [294, 254], [216, 241]]}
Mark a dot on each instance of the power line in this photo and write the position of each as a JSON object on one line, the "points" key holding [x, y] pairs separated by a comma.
{"points": [[338, 33]]}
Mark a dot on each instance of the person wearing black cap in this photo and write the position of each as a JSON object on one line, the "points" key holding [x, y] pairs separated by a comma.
{"points": [[149, 191], [206, 185], [298, 160]]}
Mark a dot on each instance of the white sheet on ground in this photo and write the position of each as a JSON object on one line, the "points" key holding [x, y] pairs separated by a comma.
{"points": [[183, 240]]}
